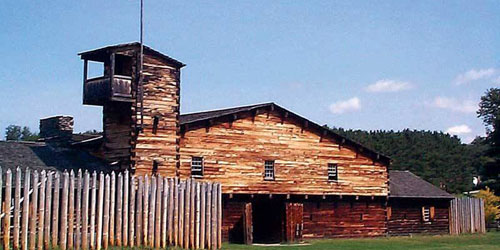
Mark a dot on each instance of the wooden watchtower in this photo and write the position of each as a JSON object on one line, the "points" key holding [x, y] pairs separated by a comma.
{"points": [[140, 120]]}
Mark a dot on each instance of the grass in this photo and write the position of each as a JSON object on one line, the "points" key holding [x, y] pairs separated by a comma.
{"points": [[490, 240]]}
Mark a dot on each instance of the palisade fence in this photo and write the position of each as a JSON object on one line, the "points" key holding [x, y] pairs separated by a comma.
{"points": [[467, 216], [93, 211]]}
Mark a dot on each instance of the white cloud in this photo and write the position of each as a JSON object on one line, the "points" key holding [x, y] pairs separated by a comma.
{"points": [[340, 107], [464, 106], [458, 130], [388, 86], [474, 75]]}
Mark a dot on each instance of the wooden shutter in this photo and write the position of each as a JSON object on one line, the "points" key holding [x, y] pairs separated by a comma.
{"points": [[432, 213], [389, 213]]}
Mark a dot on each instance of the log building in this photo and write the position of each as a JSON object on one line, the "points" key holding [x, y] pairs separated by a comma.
{"points": [[416, 206], [284, 177]]}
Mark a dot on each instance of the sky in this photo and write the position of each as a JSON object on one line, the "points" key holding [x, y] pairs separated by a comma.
{"points": [[372, 65]]}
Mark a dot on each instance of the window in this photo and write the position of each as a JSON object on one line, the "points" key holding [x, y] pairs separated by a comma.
{"points": [[332, 172], [123, 65], [156, 120], [269, 170], [197, 167], [155, 167], [426, 214]]}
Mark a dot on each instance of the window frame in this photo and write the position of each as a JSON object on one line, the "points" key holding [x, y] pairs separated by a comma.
{"points": [[201, 166], [331, 173], [272, 176], [426, 214]]}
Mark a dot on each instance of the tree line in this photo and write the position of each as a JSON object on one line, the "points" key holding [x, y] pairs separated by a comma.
{"points": [[440, 158]]}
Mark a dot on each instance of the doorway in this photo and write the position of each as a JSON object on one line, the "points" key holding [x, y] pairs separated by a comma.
{"points": [[268, 220]]}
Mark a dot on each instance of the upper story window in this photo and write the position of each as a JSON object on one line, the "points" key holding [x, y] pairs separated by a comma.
{"points": [[269, 170], [197, 167], [123, 65], [332, 172]]}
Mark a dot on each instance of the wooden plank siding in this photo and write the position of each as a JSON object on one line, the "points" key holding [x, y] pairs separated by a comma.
{"points": [[234, 154]]}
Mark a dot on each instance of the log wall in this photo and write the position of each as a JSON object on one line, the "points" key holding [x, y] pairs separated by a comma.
{"points": [[234, 154], [406, 217], [322, 218], [161, 99], [123, 141], [354, 218], [117, 130]]}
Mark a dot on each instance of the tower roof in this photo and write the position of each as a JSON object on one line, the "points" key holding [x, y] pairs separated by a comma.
{"points": [[101, 54]]}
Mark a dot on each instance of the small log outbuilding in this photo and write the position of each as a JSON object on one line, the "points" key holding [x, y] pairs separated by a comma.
{"points": [[416, 206]]}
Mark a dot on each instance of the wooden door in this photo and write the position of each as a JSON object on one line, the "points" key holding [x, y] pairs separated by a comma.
{"points": [[294, 221], [247, 224]]}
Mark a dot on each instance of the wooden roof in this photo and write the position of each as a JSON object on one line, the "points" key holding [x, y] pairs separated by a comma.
{"points": [[188, 120], [405, 184], [101, 54]]}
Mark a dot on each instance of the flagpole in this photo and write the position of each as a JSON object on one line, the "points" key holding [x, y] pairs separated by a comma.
{"points": [[141, 66]]}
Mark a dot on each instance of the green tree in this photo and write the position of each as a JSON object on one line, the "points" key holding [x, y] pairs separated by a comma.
{"points": [[435, 156], [13, 133], [18, 133], [489, 112], [27, 135]]}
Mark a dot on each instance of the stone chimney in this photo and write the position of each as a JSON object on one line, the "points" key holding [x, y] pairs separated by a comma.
{"points": [[56, 128]]}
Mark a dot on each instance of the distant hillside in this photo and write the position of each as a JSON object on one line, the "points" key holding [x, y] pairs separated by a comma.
{"points": [[437, 157]]}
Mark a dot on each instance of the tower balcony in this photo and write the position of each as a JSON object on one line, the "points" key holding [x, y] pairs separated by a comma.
{"points": [[100, 90]]}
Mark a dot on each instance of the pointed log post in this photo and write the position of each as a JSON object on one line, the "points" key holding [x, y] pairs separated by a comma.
{"points": [[78, 232], [170, 210], [64, 212], [138, 214], [17, 209], [151, 213], [107, 201], [158, 210], [164, 217], [187, 213], [125, 208], [119, 207], [33, 212], [145, 210], [100, 210], [85, 211], [26, 209], [112, 210], [131, 225], [71, 210], [6, 209], [41, 209], [93, 207], [203, 195], [55, 209], [48, 211]]}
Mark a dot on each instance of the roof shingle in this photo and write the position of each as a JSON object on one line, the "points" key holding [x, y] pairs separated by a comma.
{"points": [[405, 184]]}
